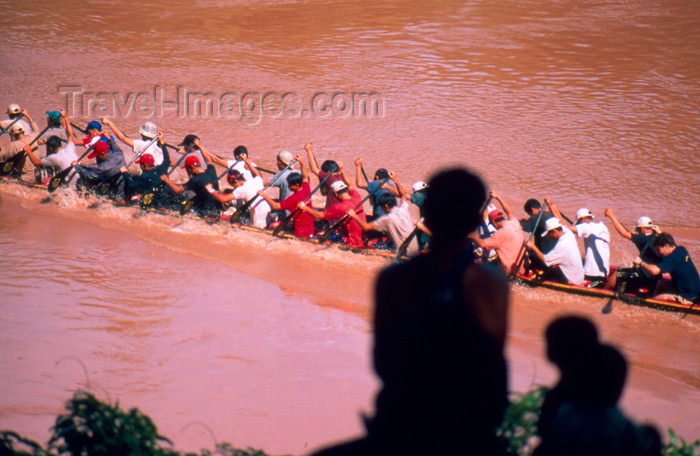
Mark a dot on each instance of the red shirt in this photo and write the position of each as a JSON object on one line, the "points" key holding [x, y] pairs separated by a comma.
{"points": [[331, 199], [350, 229], [303, 222]]}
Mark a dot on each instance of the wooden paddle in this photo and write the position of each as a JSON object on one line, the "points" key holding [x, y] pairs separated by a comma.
{"points": [[283, 223], [148, 197], [241, 210], [324, 237]]}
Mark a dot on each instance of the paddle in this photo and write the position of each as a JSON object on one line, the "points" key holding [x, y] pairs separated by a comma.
{"points": [[5, 130], [236, 215], [60, 178], [283, 223], [10, 164], [189, 203], [324, 237], [607, 308], [81, 130], [147, 198], [521, 254]]}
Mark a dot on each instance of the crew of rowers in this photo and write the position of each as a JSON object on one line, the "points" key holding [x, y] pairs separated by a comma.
{"points": [[551, 252]]}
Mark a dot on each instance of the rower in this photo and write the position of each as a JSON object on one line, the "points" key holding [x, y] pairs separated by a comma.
{"points": [[148, 131], [110, 159], [396, 221], [298, 184], [596, 238], [508, 238], [376, 188], [347, 198], [150, 171], [202, 181], [15, 113], [645, 231], [328, 167], [243, 191], [58, 157], [564, 254], [685, 282], [19, 145]]}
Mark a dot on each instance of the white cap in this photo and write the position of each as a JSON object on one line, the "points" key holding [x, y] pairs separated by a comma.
{"points": [[418, 186], [14, 109], [644, 222], [149, 130], [285, 157], [550, 224], [338, 186], [17, 128], [583, 212]]}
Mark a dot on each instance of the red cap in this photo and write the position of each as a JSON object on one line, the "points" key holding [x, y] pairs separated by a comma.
{"points": [[191, 160], [146, 159], [496, 215], [99, 148]]}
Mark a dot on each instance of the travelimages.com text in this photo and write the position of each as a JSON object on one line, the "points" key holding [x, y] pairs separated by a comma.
{"points": [[250, 107]]}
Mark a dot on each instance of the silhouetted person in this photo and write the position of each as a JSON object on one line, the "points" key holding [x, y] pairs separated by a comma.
{"points": [[569, 340], [440, 325], [586, 419]]}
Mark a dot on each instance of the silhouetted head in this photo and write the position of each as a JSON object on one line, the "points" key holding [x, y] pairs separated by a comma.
{"points": [[605, 376], [568, 339], [239, 151], [453, 200], [294, 180]]}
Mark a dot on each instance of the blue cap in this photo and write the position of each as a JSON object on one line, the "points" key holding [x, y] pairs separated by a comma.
{"points": [[94, 125]]}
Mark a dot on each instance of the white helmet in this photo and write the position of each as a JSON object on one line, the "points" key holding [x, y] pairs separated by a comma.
{"points": [[644, 222], [14, 109], [418, 186], [149, 130]]}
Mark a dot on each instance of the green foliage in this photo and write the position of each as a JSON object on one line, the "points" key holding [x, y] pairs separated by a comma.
{"points": [[95, 428], [677, 446], [519, 427]]}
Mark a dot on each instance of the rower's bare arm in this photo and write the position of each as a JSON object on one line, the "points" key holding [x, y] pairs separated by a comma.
{"points": [[273, 204], [395, 189], [504, 205], [313, 212], [624, 232], [364, 225], [555, 212], [302, 168], [313, 164], [253, 170], [344, 175], [176, 188], [359, 175], [650, 268], [128, 141], [36, 161]]}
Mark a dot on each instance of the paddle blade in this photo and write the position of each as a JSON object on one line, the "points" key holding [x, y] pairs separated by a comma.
{"points": [[147, 200], [104, 188], [236, 215], [186, 206], [7, 167], [55, 182]]}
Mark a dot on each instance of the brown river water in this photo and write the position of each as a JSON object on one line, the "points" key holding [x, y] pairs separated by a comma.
{"points": [[229, 335]]}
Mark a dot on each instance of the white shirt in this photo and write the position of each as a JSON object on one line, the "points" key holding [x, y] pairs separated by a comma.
{"points": [[565, 254], [596, 238], [399, 224], [260, 208], [240, 167], [153, 149], [62, 159]]}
